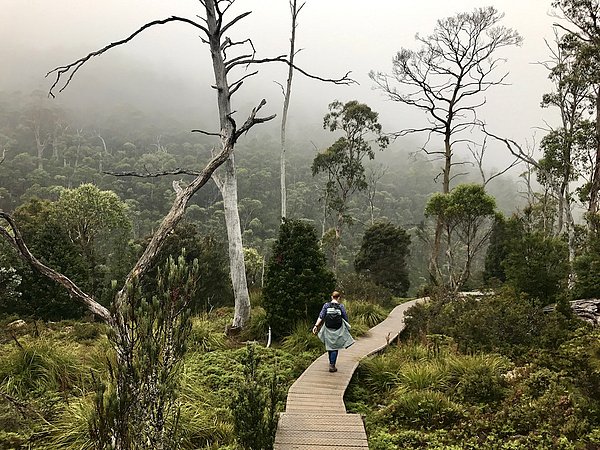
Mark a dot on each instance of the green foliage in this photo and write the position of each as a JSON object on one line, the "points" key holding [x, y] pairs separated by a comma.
{"points": [[254, 263], [466, 215], [203, 337], [39, 367], [297, 281], [478, 379], [139, 406], [537, 265], [362, 288], [302, 340], [369, 314], [342, 163], [423, 409], [497, 250], [382, 257], [587, 269], [49, 240], [531, 261], [214, 284], [506, 322], [254, 407]]}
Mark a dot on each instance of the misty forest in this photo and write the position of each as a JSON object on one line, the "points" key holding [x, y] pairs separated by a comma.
{"points": [[161, 271]]}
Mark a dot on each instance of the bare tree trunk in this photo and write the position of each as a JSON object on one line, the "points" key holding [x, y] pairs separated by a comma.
{"points": [[286, 104], [228, 187], [595, 182], [40, 146], [439, 227]]}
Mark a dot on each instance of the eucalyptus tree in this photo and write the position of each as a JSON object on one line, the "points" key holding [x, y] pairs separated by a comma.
{"points": [[447, 79], [342, 163], [582, 37], [567, 147], [467, 214]]}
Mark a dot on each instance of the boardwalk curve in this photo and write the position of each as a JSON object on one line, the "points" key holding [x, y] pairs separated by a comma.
{"points": [[315, 415]]}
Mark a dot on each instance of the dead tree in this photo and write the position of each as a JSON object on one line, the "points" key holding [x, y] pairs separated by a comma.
{"points": [[447, 80], [478, 154], [287, 92]]}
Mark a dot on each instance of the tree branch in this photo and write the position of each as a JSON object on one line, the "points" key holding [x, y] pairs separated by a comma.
{"points": [[345, 80], [253, 120], [71, 69], [207, 133], [16, 241], [147, 174]]}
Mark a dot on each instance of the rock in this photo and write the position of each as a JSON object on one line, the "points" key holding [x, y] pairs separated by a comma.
{"points": [[15, 325], [587, 309]]}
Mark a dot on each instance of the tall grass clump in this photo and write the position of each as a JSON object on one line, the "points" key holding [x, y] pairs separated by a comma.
{"points": [[422, 409], [432, 375], [70, 431], [301, 340], [39, 366], [366, 313], [203, 337], [478, 378]]}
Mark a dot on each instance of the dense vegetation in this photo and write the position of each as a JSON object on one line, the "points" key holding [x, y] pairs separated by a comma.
{"points": [[486, 372]]}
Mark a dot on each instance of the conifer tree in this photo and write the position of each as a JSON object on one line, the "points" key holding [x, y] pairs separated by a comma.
{"points": [[297, 279]]}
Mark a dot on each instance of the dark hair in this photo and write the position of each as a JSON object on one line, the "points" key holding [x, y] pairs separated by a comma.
{"points": [[336, 294]]}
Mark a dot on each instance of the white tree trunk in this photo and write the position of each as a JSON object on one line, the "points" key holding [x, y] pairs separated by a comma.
{"points": [[227, 184]]}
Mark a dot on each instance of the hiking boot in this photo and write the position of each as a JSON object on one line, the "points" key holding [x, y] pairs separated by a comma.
{"points": [[332, 368]]}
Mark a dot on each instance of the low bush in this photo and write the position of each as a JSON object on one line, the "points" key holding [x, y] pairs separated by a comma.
{"points": [[423, 409]]}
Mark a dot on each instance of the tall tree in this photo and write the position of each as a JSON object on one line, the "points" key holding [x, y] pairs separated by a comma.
{"points": [[92, 218], [583, 38], [565, 158], [447, 79], [297, 279], [342, 163], [287, 93]]}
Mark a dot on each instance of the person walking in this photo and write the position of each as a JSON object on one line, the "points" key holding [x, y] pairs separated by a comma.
{"points": [[336, 332]]}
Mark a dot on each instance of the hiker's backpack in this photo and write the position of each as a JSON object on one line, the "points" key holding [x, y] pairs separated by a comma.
{"points": [[333, 317]]}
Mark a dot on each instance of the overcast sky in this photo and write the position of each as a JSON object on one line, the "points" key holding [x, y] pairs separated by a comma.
{"points": [[170, 64]]}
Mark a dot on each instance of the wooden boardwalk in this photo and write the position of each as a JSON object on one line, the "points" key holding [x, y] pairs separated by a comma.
{"points": [[315, 415]]}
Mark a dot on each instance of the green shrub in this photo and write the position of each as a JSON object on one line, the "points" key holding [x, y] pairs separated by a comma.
{"points": [[423, 409], [382, 257], [254, 406], [478, 379], [506, 323], [359, 287]]}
